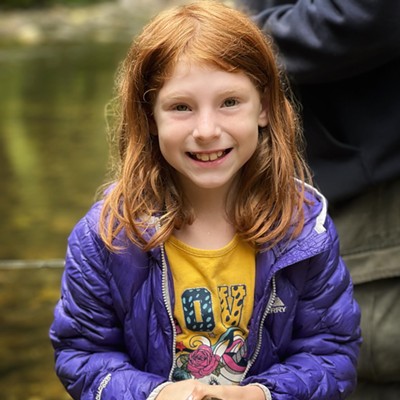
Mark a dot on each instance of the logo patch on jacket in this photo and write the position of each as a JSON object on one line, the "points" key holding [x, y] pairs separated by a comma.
{"points": [[278, 306]]}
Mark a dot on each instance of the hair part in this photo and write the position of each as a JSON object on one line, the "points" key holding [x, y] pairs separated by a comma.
{"points": [[270, 202]]}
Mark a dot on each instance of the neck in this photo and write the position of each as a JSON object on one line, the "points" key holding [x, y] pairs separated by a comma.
{"points": [[210, 201], [211, 228]]}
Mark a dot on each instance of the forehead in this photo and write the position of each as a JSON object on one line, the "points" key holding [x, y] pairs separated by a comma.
{"points": [[192, 73]]}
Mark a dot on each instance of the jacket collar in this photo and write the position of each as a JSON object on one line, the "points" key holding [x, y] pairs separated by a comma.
{"points": [[312, 240], [313, 232]]}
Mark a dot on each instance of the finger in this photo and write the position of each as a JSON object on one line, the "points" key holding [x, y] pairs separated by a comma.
{"points": [[210, 398]]}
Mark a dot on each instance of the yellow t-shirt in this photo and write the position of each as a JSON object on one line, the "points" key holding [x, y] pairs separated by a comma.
{"points": [[214, 296]]}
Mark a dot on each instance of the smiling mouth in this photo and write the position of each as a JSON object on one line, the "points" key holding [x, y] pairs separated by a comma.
{"points": [[207, 157]]}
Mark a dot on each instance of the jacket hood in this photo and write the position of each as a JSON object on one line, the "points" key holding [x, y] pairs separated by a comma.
{"points": [[315, 215]]}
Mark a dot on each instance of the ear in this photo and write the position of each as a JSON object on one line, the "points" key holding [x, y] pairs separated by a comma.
{"points": [[263, 115]]}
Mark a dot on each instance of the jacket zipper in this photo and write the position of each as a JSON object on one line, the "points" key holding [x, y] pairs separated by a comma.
{"points": [[167, 303], [259, 337]]}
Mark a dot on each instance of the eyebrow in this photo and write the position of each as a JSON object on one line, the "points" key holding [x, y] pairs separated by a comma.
{"points": [[223, 93]]}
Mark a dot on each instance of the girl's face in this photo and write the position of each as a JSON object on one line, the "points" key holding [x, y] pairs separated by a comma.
{"points": [[207, 123]]}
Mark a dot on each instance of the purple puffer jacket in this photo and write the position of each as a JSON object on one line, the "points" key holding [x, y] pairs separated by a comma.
{"points": [[114, 335]]}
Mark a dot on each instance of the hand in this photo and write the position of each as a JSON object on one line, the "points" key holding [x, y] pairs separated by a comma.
{"points": [[190, 389], [194, 390], [211, 398]]}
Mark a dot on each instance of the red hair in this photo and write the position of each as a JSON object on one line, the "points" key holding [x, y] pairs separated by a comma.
{"points": [[270, 201]]}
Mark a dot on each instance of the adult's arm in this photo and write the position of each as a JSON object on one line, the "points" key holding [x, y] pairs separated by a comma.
{"points": [[326, 40]]}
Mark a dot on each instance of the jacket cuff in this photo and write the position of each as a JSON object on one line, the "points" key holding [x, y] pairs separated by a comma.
{"points": [[157, 390], [266, 391]]}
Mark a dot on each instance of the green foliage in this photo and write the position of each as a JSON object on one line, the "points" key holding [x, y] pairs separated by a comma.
{"points": [[31, 4]]}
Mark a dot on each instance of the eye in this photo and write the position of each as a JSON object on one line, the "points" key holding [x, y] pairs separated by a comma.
{"points": [[181, 107], [231, 102]]}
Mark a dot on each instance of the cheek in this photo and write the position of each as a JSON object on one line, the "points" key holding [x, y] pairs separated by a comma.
{"points": [[249, 131], [164, 146], [167, 140], [169, 145], [253, 144], [253, 139]]}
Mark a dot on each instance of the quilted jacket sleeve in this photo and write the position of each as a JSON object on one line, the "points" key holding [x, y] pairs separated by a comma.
{"points": [[86, 332], [321, 360]]}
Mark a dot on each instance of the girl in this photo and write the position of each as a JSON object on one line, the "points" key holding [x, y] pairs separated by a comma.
{"points": [[210, 268]]}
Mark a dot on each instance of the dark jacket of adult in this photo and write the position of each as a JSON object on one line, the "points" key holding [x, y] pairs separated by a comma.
{"points": [[343, 57]]}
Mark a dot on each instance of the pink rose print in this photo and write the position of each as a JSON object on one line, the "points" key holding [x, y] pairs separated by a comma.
{"points": [[202, 362]]}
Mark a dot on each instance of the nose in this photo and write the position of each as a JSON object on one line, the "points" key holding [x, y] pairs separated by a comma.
{"points": [[207, 127]]}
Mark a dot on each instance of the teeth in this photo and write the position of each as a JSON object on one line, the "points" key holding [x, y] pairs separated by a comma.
{"points": [[208, 156]]}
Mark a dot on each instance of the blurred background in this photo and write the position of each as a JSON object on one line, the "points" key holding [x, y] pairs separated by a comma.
{"points": [[58, 60]]}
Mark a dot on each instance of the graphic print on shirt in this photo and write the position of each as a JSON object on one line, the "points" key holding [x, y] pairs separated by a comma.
{"points": [[215, 358]]}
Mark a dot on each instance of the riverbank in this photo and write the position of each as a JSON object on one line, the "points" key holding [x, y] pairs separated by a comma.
{"points": [[104, 22], [28, 298]]}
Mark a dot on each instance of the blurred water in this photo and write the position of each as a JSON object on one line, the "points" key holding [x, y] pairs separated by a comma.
{"points": [[53, 147], [53, 155]]}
